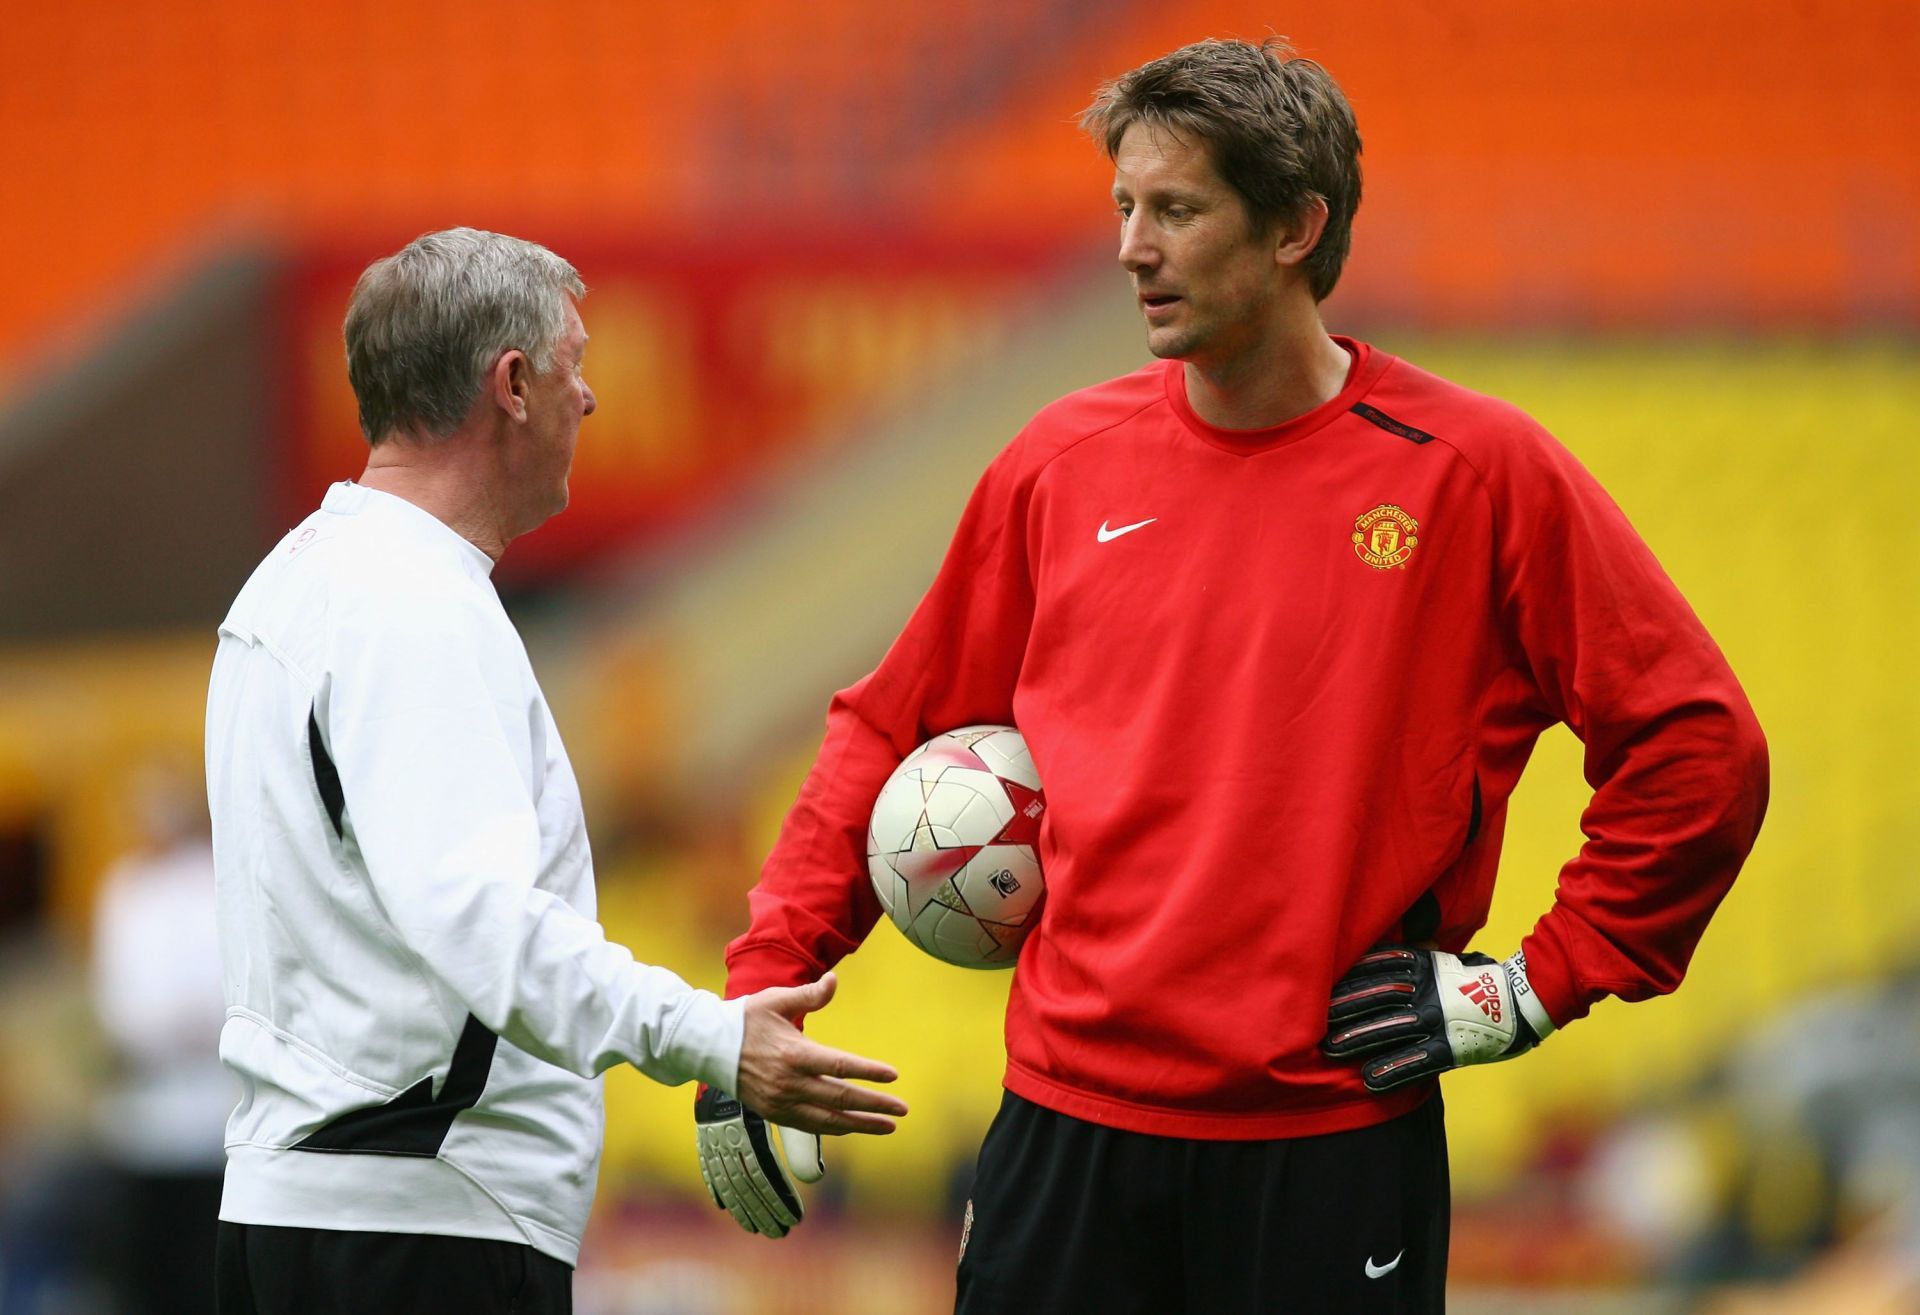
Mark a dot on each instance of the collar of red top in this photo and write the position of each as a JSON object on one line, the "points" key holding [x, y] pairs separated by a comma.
{"points": [[1366, 368]]}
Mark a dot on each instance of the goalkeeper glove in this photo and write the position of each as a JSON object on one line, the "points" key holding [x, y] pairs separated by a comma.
{"points": [[743, 1171], [1417, 1013]]}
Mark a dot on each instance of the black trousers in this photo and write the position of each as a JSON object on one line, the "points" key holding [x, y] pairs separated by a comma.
{"points": [[1069, 1217], [161, 1233], [319, 1271]]}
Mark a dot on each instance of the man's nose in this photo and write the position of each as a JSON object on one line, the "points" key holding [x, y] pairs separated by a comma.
{"points": [[592, 401], [1137, 251]]}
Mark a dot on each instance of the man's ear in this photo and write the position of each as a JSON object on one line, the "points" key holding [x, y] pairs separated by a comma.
{"points": [[509, 383], [1295, 239]]}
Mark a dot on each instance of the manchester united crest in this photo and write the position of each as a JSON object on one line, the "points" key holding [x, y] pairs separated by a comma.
{"points": [[1385, 537]]}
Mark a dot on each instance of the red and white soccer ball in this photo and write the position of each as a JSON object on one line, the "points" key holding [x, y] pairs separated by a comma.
{"points": [[954, 846]]}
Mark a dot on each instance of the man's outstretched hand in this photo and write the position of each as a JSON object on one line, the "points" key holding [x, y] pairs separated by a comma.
{"points": [[798, 1083], [791, 1091], [1413, 1014]]}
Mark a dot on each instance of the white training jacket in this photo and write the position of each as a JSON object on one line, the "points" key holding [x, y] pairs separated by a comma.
{"points": [[418, 995]]}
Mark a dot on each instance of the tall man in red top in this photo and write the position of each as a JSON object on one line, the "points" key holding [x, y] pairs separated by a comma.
{"points": [[1281, 618]]}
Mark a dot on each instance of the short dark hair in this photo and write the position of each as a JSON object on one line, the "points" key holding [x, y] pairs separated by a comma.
{"points": [[1278, 126]]}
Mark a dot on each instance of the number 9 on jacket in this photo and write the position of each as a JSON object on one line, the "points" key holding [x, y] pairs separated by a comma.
{"points": [[954, 846]]}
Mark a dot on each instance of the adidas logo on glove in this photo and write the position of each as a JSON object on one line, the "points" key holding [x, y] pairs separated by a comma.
{"points": [[1484, 992]]}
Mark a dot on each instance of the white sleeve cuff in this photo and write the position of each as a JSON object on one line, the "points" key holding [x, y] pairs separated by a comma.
{"points": [[706, 1045], [1529, 1004]]}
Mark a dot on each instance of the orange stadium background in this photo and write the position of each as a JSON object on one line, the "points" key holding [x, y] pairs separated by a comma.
{"points": [[836, 253]]}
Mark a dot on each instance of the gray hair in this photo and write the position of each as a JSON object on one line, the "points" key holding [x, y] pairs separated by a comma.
{"points": [[427, 323]]}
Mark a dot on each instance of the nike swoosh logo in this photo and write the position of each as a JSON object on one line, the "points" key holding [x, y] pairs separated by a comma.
{"points": [[1106, 535], [1377, 1271]]}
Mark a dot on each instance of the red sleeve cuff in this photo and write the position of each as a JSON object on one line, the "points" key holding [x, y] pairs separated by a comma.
{"points": [[1551, 977], [755, 967]]}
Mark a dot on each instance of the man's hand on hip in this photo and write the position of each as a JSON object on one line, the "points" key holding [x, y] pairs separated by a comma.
{"points": [[1414, 1014], [791, 1086]]}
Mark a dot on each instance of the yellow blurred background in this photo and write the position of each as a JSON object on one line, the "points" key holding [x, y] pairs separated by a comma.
{"points": [[838, 252]]}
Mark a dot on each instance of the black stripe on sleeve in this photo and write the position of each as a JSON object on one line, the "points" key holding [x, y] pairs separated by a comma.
{"points": [[416, 1121], [1473, 819], [326, 777], [1374, 415]]}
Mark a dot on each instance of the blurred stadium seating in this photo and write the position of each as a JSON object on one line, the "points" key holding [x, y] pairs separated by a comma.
{"points": [[839, 252]]}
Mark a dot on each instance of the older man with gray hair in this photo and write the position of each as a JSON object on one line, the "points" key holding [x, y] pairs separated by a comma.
{"points": [[419, 998]]}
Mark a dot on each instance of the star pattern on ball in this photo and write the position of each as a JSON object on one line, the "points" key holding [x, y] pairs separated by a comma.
{"points": [[1029, 806], [953, 846]]}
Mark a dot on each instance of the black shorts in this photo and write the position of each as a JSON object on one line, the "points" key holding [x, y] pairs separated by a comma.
{"points": [[1069, 1217], [263, 1270]]}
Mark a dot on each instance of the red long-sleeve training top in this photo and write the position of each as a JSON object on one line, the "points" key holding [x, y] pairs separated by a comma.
{"points": [[1279, 685]]}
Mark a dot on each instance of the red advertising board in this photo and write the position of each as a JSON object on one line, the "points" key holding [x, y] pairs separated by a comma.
{"points": [[709, 360]]}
